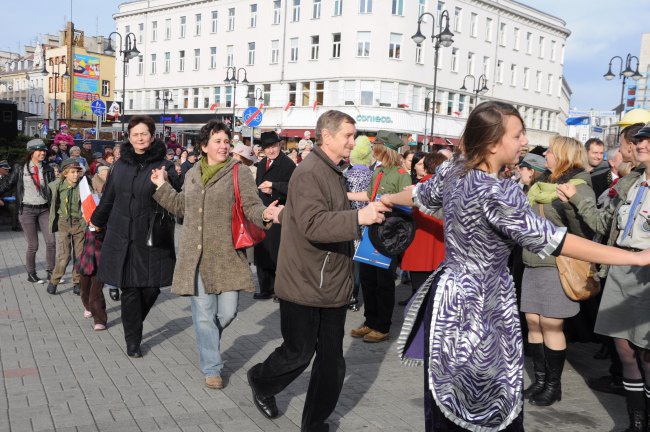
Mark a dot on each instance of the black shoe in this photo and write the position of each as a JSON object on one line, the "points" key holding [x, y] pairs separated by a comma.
{"points": [[133, 351], [114, 294], [276, 300], [75, 290], [536, 350], [607, 384], [33, 278], [552, 391], [262, 296], [51, 288], [266, 406], [354, 307]]}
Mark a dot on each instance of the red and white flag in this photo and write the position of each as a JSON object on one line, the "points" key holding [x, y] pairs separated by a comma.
{"points": [[315, 105], [286, 108], [88, 200]]}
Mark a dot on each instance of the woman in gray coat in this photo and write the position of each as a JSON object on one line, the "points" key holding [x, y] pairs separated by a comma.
{"points": [[207, 253]]}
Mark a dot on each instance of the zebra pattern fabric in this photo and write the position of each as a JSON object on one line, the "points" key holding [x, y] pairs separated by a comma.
{"points": [[475, 347]]}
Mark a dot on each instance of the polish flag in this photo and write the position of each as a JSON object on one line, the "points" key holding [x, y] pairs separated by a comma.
{"points": [[88, 200], [288, 105], [315, 105]]}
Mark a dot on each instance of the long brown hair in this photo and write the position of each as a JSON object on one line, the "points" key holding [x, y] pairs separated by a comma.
{"points": [[569, 154], [486, 125], [388, 157]]}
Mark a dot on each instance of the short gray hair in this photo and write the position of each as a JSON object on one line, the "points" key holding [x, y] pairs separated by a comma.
{"points": [[332, 121], [611, 153]]}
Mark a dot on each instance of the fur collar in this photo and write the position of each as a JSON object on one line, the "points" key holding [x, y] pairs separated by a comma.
{"points": [[155, 153]]}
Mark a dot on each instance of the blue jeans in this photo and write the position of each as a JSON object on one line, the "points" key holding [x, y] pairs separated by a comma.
{"points": [[211, 313]]}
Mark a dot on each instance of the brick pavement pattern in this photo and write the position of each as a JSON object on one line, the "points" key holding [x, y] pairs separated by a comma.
{"points": [[57, 374]]}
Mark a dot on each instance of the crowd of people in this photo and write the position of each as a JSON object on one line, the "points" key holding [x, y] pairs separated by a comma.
{"points": [[492, 219]]}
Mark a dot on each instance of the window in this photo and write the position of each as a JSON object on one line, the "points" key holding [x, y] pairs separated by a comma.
{"points": [[214, 26], [402, 94], [365, 6], [253, 22], [197, 26], [186, 98], [216, 92], [541, 46], [515, 38], [363, 44], [197, 58], [457, 19], [320, 92], [454, 59], [553, 50], [513, 74], [562, 55], [338, 7], [367, 93], [305, 94], [267, 94], [213, 57], [315, 44], [206, 98], [141, 33], [230, 60], [316, 9], [168, 62], [486, 66], [229, 97], [195, 98], [140, 64], [182, 29], [275, 51], [294, 50], [500, 71], [398, 7], [539, 81], [181, 60], [461, 104], [422, 6], [488, 29], [470, 63], [440, 6], [418, 54], [168, 29], [549, 90], [127, 29], [502, 34], [526, 78], [231, 19], [336, 45], [395, 46], [153, 64], [295, 13], [251, 53], [154, 31], [106, 88], [332, 95], [415, 99], [529, 43], [277, 11], [450, 103], [473, 25]]}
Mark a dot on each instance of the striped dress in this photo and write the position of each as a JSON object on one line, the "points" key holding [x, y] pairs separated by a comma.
{"points": [[473, 345]]}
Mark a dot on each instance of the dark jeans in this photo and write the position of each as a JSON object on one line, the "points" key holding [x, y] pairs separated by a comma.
{"points": [[32, 220], [378, 287], [136, 304], [266, 278], [307, 330], [92, 297], [418, 278]]}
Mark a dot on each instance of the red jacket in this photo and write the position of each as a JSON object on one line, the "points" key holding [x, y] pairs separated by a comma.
{"points": [[428, 248]]}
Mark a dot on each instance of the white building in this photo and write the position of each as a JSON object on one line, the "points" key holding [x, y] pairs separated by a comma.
{"points": [[308, 56]]}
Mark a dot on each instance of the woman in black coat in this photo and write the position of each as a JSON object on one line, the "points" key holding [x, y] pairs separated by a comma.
{"points": [[125, 211], [272, 179]]}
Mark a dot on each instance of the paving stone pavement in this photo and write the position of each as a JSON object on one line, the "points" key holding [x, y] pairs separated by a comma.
{"points": [[57, 374]]}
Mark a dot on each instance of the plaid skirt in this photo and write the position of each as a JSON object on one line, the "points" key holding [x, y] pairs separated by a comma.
{"points": [[88, 262]]}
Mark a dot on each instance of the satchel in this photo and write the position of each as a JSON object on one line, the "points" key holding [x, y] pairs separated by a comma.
{"points": [[161, 229], [576, 276], [244, 233]]}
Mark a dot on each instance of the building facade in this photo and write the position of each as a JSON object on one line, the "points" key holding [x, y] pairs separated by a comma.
{"points": [[302, 57]]}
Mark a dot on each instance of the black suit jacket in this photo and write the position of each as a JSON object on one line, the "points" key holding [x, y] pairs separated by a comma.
{"points": [[600, 182]]}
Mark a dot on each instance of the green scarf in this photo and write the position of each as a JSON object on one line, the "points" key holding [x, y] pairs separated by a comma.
{"points": [[208, 171], [544, 193]]}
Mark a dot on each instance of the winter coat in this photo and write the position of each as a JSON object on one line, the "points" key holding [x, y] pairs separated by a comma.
{"points": [[279, 173], [125, 211], [563, 214], [53, 221], [17, 178], [206, 237], [318, 229]]}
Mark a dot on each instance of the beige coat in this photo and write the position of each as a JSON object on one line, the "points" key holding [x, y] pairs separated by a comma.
{"points": [[206, 236]]}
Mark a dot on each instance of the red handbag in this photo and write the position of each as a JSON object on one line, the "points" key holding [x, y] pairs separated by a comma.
{"points": [[244, 233]]}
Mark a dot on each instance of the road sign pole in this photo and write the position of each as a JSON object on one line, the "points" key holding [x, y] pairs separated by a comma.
{"points": [[97, 125]]}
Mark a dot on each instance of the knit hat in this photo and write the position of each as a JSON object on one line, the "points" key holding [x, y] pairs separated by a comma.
{"points": [[389, 139], [36, 144], [362, 152]]}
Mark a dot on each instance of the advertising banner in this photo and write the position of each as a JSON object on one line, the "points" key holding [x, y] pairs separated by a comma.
{"points": [[85, 83]]}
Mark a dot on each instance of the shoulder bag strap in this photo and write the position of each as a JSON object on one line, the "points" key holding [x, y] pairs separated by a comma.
{"points": [[235, 183], [376, 186]]}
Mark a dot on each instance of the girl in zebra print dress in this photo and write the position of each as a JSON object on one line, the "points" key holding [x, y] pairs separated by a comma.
{"points": [[471, 346]]}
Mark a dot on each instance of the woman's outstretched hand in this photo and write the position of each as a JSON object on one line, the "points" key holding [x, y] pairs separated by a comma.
{"points": [[158, 176], [272, 212]]}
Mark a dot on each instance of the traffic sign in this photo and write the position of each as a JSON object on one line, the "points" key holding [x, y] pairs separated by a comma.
{"points": [[253, 116], [92, 131], [98, 107]]}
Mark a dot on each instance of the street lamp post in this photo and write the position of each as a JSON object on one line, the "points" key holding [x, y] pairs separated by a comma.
{"points": [[129, 51], [234, 80], [427, 105], [165, 100], [479, 86], [259, 96], [624, 73], [444, 38], [56, 73]]}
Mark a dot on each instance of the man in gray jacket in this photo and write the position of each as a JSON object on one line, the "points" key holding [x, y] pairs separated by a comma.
{"points": [[314, 277]]}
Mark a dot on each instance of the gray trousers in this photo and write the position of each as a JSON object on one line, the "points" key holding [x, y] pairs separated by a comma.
{"points": [[32, 220]]}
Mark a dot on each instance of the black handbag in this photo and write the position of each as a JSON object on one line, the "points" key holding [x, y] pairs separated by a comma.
{"points": [[161, 229]]}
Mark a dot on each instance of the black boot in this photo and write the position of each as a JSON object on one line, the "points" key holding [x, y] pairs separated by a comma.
{"points": [[114, 293], [635, 401], [552, 391], [76, 290], [536, 350]]}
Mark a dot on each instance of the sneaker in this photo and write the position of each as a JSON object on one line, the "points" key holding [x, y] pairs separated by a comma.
{"points": [[51, 288], [374, 336], [88, 314], [33, 278], [99, 327], [214, 382], [361, 331]]}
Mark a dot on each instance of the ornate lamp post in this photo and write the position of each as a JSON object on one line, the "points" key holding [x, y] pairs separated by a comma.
{"points": [[165, 100], [624, 73], [56, 72], [129, 51], [479, 86], [232, 77]]}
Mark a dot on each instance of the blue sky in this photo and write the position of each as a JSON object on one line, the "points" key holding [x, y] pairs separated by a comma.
{"points": [[600, 29]]}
